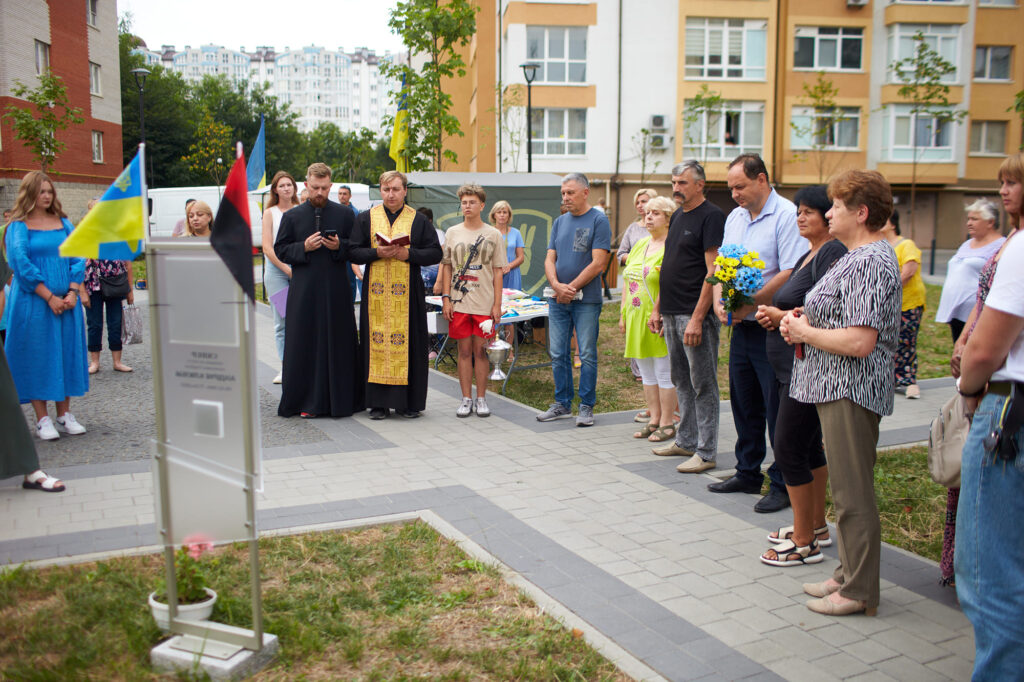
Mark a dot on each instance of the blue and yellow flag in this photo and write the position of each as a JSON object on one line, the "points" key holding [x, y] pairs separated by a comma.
{"points": [[115, 228], [400, 134], [256, 171]]}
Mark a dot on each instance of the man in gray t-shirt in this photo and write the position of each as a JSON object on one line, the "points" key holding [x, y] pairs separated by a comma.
{"points": [[578, 250]]}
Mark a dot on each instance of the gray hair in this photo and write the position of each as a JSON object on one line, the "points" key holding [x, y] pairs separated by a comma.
{"points": [[986, 208], [696, 170], [578, 178]]}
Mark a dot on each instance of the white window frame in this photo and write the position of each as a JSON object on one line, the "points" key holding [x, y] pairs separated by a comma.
{"points": [[97, 146], [540, 130], [997, 3], [903, 151], [988, 64], [566, 62], [42, 57], [92, 12], [716, 148], [847, 114], [937, 36], [984, 127], [813, 32], [699, 46], [95, 79]]}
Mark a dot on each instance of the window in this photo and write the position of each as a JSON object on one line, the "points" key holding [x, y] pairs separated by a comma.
{"points": [[91, 12], [988, 137], [97, 146], [94, 79], [42, 57], [943, 38], [992, 63], [998, 3], [934, 137], [736, 128], [822, 128], [561, 53], [828, 49], [726, 48], [559, 132]]}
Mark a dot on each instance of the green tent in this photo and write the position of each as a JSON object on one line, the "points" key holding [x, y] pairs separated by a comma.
{"points": [[535, 199]]}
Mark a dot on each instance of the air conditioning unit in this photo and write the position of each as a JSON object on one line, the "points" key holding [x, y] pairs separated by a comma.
{"points": [[659, 142], [658, 123], [856, 3]]}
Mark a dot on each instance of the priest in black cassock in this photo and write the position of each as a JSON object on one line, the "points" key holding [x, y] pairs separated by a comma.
{"points": [[394, 241], [323, 371]]}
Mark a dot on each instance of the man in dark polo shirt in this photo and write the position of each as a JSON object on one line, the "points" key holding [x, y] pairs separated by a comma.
{"points": [[681, 314]]}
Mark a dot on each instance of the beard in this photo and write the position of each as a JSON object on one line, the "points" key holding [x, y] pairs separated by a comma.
{"points": [[319, 202]]}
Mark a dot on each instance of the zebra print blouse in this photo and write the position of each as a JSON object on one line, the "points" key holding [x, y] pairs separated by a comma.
{"points": [[862, 289]]}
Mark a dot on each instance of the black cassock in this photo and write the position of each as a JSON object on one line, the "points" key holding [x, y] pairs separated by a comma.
{"points": [[323, 370], [424, 249]]}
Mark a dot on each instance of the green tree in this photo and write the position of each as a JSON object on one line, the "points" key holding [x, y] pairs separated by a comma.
{"points": [[820, 129], [511, 122], [921, 75], [1018, 106], [211, 153], [37, 126], [434, 30], [643, 145], [699, 117]]}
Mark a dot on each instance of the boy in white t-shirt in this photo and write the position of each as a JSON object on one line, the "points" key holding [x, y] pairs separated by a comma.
{"points": [[474, 254]]}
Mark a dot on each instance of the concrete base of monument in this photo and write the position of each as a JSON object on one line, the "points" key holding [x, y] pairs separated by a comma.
{"points": [[188, 654]]}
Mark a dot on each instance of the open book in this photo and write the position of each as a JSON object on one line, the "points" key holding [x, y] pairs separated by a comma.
{"points": [[384, 240]]}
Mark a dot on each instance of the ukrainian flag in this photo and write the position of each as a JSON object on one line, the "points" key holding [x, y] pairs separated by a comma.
{"points": [[400, 134], [115, 227], [256, 171]]}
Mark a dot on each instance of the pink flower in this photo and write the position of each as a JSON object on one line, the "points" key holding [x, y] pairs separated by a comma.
{"points": [[633, 287], [636, 301], [198, 544]]}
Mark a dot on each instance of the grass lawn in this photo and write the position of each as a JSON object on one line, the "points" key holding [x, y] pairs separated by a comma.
{"points": [[393, 602]]}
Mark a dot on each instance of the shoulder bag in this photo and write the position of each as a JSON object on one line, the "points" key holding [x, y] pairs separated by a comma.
{"points": [[946, 442]]}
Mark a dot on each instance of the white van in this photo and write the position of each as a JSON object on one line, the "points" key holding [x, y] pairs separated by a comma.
{"points": [[168, 207]]}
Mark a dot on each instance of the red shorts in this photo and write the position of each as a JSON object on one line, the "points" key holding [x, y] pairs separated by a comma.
{"points": [[464, 325]]}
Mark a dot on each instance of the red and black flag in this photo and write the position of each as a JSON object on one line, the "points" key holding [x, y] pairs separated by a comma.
{"points": [[231, 237]]}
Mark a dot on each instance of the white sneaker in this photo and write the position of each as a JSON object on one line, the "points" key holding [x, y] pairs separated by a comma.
{"points": [[69, 424], [277, 379], [465, 409], [481, 408], [45, 430]]}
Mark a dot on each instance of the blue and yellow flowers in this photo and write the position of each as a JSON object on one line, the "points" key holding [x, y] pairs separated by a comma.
{"points": [[740, 274]]}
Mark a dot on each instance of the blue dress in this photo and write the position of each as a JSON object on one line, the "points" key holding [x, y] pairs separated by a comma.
{"points": [[46, 352], [514, 278]]}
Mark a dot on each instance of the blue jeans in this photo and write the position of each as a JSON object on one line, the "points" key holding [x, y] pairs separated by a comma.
{"points": [[274, 281], [754, 401], [94, 322], [989, 554], [563, 318]]}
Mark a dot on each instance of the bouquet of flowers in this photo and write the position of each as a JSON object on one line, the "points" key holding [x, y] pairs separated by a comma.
{"points": [[739, 271]]}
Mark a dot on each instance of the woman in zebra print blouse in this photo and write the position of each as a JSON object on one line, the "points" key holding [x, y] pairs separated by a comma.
{"points": [[849, 328]]}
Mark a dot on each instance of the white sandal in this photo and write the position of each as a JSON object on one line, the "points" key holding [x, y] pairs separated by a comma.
{"points": [[785, 533], [808, 554], [39, 480]]}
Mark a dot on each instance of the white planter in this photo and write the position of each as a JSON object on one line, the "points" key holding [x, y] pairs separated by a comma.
{"points": [[195, 612]]}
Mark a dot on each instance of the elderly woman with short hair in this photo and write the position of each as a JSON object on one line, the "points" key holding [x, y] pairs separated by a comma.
{"points": [[961, 286], [848, 328]]}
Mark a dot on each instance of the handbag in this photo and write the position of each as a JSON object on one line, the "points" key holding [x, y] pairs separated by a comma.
{"points": [[946, 442], [116, 286], [131, 325]]}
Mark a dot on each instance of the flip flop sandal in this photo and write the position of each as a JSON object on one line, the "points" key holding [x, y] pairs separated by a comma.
{"points": [[789, 554], [784, 534], [48, 484], [663, 433], [642, 417], [646, 431]]}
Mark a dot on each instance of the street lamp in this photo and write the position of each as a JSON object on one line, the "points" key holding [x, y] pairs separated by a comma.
{"points": [[529, 73], [140, 82]]}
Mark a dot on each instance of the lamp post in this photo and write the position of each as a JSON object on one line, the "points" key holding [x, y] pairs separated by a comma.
{"points": [[140, 82], [529, 73]]}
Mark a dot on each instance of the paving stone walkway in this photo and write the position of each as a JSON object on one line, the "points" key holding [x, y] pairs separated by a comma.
{"points": [[663, 571]]}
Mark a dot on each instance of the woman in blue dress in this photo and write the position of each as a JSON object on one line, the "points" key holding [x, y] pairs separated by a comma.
{"points": [[515, 247], [46, 340]]}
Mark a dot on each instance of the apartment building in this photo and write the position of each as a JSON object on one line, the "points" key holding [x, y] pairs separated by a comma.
{"points": [[343, 88], [609, 68], [77, 41]]}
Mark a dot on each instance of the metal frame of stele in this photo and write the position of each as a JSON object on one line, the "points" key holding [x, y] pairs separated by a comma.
{"points": [[208, 433]]}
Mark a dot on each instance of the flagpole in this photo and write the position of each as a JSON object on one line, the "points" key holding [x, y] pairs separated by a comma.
{"points": [[145, 189]]}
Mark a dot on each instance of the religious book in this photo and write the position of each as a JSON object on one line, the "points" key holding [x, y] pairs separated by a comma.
{"points": [[400, 240]]}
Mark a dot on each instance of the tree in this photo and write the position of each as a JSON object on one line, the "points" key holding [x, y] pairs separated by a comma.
{"points": [[1018, 106], [436, 31], [351, 155], [52, 112], [820, 128], [212, 152], [928, 96], [700, 112], [511, 122], [644, 147]]}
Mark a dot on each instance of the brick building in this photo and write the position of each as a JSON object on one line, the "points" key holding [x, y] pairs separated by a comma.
{"points": [[77, 40]]}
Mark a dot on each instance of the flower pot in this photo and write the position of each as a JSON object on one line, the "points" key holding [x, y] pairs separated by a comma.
{"points": [[196, 612]]}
